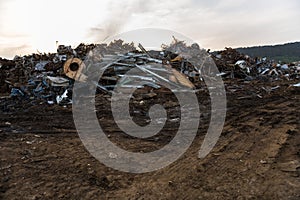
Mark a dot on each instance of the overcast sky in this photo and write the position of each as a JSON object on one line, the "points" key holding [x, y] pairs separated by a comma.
{"points": [[28, 26]]}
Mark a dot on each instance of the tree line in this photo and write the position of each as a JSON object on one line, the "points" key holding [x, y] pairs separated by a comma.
{"points": [[286, 53]]}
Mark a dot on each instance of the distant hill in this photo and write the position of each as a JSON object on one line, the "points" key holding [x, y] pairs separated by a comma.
{"points": [[287, 53]]}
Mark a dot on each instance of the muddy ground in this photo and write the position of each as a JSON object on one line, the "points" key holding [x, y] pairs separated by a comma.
{"points": [[256, 157]]}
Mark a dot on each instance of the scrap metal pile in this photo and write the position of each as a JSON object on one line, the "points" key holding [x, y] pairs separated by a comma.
{"points": [[50, 77], [233, 64]]}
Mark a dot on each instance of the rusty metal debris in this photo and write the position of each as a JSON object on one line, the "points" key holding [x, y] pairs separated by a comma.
{"points": [[50, 77], [233, 64]]}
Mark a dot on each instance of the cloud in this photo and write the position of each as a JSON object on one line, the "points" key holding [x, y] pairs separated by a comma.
{"points": [[10, 52], [120, 13], [213, 24], [2, 7], [216, 24]]}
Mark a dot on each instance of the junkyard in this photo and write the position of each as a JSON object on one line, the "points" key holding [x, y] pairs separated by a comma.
{"points": [[42, 156]]}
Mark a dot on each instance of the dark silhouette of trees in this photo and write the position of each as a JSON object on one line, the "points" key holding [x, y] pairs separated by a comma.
{"points": [[287, 53]]}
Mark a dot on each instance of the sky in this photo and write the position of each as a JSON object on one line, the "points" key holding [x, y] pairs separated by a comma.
{"points": [[33, 26]]}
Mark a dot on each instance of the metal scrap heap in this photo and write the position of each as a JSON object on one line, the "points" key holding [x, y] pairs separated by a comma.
{"points": [[50, 77], [233, 64]]}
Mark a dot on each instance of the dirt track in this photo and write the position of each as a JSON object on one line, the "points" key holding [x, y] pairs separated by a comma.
{"points": [[257, 156]]}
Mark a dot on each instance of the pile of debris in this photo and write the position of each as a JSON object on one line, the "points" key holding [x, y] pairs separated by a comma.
{"points": [[50, 77], [233, 64]]}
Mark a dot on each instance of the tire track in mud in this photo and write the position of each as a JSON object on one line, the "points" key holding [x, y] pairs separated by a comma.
{"points": [[245, 162], [255, 158]]}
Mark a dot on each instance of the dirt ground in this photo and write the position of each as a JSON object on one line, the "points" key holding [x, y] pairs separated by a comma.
{"points": [[256, 157]]}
